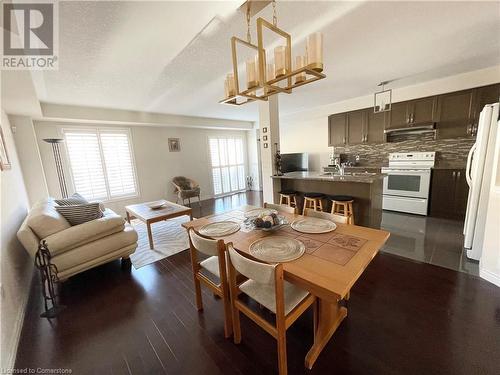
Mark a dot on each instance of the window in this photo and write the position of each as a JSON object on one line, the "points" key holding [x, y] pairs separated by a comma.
{"points": [[101, 163], [228, 167]]}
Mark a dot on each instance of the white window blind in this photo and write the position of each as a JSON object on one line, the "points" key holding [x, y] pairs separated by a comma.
{"points": [[228, 168], [101, 163]]}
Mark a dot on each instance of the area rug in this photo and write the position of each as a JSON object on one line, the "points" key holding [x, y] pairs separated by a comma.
{"points": [[169, 238]]}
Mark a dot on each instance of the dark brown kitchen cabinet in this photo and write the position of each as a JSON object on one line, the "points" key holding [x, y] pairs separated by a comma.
{"points": [[356, 121], [412, 113], [422, 110], [449, 192], [455, 115], [398, 116], [484, 95], [375, 125], [337, 129]]}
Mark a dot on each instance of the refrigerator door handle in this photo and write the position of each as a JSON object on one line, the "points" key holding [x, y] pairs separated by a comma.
{"points": [[468, 176]]}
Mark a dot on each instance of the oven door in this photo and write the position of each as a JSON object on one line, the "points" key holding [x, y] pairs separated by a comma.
{"points": [[407, 183]]}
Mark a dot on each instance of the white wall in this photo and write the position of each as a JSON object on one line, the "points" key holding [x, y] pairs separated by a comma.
{"points": [[155, 165], [307, 131], [16, 267], [254, 158], [29, 158]]}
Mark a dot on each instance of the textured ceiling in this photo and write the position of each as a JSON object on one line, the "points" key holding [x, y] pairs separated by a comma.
{"points": [[171, 57]]}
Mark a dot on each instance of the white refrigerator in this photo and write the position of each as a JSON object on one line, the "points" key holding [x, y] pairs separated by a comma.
{"points": [[478, 175]]}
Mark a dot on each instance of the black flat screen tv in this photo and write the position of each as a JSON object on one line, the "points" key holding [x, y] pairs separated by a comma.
{"points": [[296, 162]]}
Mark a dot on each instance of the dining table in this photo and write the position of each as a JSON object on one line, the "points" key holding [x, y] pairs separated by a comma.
{"points": [[328, 269]]}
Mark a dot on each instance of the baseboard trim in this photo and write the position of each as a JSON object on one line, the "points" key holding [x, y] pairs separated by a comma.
{"points": [[490, 276], [18, 329]]}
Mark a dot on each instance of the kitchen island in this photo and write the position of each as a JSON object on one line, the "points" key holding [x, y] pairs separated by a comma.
{"points": [[365, 188]]}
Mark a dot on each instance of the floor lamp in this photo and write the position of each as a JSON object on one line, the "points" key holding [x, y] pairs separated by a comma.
{"points": [[59, 167]]}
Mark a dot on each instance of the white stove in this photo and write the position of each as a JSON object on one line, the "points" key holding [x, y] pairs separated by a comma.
{"points": [[407, 184]]}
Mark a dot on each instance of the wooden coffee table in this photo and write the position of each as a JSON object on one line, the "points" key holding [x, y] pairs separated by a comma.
{"points": [[149, 216]]}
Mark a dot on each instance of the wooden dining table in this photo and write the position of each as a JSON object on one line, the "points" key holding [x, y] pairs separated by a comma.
{"points": [[328, 269]]}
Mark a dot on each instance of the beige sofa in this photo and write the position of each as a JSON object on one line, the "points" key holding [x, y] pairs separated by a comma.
{"points": [[76, 248]]}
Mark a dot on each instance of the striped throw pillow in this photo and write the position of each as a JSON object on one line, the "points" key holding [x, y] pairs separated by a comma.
{"points": [[80, 213], [70, 201]]}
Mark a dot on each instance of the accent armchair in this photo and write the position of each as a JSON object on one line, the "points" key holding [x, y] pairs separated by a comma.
{"points": [[185, 188]]}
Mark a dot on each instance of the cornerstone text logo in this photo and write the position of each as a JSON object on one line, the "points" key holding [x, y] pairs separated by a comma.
{"points": [[30, 36]]}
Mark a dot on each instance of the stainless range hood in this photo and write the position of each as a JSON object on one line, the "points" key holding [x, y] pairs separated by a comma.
{"points": [[427, 127]]}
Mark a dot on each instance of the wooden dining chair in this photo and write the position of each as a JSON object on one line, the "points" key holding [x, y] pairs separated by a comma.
{"points": [[280, 208], [266, 286], [215, 264], [327, 216]]}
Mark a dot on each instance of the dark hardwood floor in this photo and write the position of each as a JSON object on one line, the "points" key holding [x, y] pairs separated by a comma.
{"points": [[404, 317]]}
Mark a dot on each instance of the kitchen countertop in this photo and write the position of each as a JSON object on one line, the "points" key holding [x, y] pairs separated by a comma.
{"points": [[317, 176]]}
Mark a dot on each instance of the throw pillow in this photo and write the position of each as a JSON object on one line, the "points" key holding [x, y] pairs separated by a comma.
{"points": [[74, 199], [80, 213]]}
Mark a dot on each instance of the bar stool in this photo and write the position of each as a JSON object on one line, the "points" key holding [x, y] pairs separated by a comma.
{"points": [[288, 197], [314, 201], [342, 205]]}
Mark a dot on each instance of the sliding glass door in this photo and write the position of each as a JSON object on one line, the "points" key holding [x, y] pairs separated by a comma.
{"points": [[228, 166]]}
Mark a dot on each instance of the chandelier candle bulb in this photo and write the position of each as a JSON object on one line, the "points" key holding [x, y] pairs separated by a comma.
{"points": [[230, 84], [300, 62], [252, 65], [280, 61], [314, 51], [271, 72]]}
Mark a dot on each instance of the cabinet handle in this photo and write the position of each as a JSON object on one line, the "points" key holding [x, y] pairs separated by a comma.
{"points": [[458, 174], [454, 174]]}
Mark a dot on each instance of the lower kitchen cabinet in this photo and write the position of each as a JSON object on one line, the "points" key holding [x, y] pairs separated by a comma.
{"points": [[449, 192]]}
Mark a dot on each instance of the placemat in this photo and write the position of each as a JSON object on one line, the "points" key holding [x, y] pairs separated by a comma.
{"points": [[219, 229], [277, 249], [313, 225]]}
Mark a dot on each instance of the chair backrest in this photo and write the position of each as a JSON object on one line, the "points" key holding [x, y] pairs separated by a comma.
{"points": [[280, 208], [260, 272], [326, 215], [207, 246], [184, 183]]}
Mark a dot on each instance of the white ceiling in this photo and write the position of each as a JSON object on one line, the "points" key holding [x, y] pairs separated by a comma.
{"points": [[151, 56]]}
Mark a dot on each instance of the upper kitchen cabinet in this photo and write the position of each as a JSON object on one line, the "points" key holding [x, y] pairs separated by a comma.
{"points": [[356, 121], [375, 125], [398, 116], [484, 95], [455, 115], [412, 112], [337, 125], [422, 110]]}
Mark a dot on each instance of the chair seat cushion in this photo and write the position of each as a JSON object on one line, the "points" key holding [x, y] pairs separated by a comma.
{"points": [[288, 192], [314, 195], [211, 265], [341, 198], [265, 294]]}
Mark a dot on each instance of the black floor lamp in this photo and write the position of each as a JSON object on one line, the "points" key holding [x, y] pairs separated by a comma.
{"points": [[59, 167], [48, 271]]}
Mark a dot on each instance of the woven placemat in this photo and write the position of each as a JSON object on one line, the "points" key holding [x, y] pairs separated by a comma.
{"points": [[313, 225], [219, 228], [277, 249]]}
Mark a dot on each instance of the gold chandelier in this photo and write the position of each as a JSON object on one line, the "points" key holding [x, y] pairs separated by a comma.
{"points": [[264, 79]]}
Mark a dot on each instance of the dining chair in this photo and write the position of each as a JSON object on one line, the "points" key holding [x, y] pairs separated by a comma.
{"points": [[215, 264], [266, 286], [327, 216], [280, 208]]}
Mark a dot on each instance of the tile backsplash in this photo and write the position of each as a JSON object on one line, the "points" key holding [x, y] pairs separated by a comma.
{"points": [[448, 151]]}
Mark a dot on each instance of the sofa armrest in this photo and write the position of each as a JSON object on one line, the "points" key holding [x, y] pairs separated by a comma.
{"points": [[81, 234]]}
